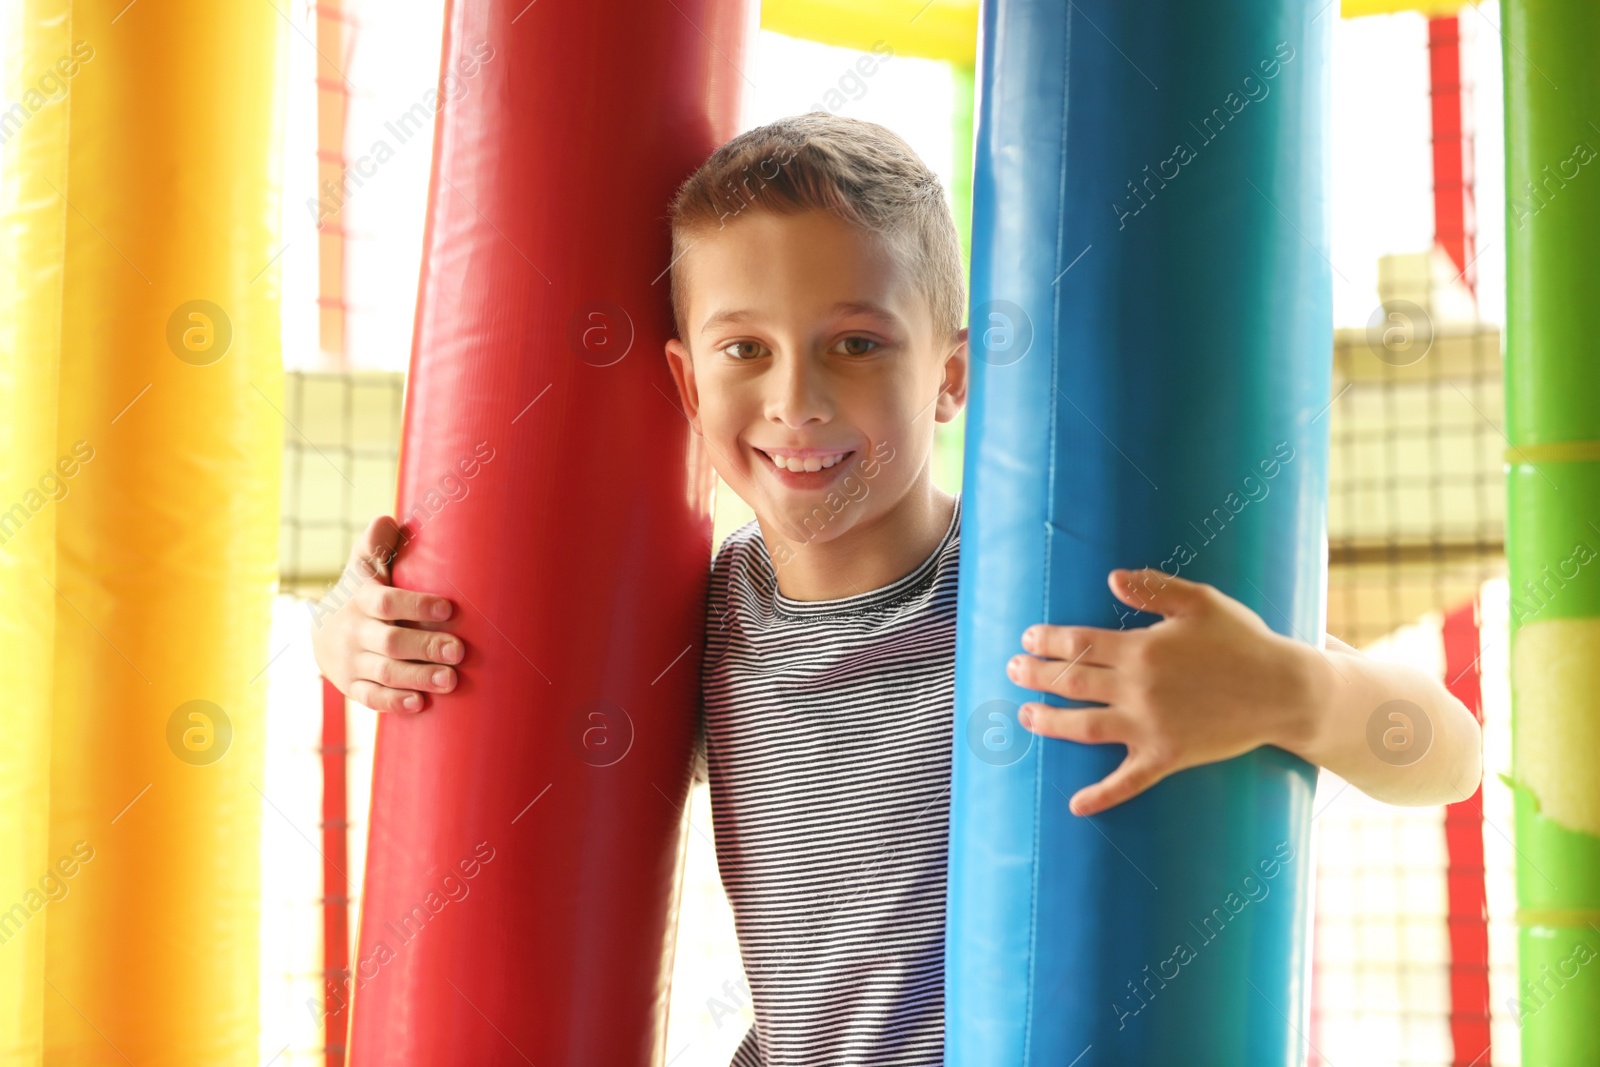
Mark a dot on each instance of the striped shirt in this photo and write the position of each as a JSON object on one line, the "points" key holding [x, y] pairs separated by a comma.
{"points": [[827, 743]]}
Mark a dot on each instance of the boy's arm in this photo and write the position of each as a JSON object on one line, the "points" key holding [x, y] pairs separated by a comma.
{"points": [[1390, 730], [1210, 681]]}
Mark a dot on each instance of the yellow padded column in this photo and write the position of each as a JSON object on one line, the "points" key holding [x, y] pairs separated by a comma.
{"points": [[166, 548], [35, 35]]}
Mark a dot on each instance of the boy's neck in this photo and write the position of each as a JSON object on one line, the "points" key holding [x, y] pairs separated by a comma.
{"points": [[867, 556]]}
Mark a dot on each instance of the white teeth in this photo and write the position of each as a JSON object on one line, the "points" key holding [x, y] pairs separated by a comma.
{"points": [[812, 463]]}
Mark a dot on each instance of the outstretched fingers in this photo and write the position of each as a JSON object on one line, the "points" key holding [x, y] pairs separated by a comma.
{"points": [[1076, 644], [1087, 726], [1157, 592], [1142, 768], [1133, 776], [1073, 680]]}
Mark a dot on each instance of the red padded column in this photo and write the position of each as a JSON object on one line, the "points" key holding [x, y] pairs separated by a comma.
{"points": [[1454, 208], [527, 830], [1463, 831], [335, 884]]}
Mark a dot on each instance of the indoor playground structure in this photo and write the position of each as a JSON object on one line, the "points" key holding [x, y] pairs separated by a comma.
{"points": [[1144, 196]]}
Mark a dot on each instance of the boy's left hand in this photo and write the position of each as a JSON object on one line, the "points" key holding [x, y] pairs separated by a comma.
{"points": [[1208, 682]]}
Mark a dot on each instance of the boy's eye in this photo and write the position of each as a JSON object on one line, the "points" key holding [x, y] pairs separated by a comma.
{"points": [[858, 346], [742, 350]]}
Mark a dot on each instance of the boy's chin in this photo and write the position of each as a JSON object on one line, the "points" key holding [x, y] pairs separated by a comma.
{"points": [[813, 517]]}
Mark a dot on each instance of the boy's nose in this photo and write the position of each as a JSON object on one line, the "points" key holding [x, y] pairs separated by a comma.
{"points": [[797, 397]]}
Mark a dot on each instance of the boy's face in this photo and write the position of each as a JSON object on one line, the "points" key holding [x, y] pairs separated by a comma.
{"points": [[809, 344]]}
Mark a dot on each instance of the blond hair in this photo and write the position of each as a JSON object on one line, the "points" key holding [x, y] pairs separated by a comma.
{"points": [[861, 172]]}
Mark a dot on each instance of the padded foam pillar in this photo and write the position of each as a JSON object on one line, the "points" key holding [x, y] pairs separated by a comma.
{"points": [[527, 830], [35, 34], [1151, 324], [927, 29], [166, 528], [1552, 88]]}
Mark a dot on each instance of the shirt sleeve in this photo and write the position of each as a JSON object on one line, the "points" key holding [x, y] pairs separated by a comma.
{"points": [[716, 640]]}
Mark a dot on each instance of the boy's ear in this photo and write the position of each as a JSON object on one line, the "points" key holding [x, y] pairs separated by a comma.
{"points": [[954, 396], [683, 374]]}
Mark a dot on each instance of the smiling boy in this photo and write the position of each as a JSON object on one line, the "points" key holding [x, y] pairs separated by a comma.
{"points": [[819, 298]]}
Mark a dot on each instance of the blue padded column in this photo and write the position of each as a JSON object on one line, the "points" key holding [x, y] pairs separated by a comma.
{"points": [[1152, 338]]}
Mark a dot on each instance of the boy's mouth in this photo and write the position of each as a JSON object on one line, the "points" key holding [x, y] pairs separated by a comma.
{"points": [[804, 460]]}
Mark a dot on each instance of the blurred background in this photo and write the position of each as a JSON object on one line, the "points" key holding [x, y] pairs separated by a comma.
{"points": [[1413, 907]]}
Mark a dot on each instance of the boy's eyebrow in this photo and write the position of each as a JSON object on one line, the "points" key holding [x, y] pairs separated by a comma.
{"points": [[844, 307], [865, 307], [725, 318]]}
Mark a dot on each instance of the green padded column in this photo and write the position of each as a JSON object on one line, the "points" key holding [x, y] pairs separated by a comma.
{"points": [[1552, 85]]}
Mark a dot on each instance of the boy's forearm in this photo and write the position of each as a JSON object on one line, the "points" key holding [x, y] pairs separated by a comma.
{"points": [[1387, 729]]}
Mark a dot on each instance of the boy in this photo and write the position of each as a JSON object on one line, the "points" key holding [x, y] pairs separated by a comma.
{"points": [[818, 296]]}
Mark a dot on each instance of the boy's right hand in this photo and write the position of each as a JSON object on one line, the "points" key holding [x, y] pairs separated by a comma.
{"points": [[381, 646]]}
